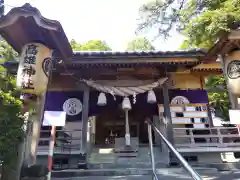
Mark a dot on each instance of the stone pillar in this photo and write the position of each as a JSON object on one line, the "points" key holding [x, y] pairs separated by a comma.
{"points": [[36, 127], [33, 78]]}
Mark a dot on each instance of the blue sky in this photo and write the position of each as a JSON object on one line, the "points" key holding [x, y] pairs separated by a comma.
{"points": [[113, 21]]}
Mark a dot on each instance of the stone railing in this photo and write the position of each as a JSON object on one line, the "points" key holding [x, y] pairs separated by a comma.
{"points": [[219, 139]]}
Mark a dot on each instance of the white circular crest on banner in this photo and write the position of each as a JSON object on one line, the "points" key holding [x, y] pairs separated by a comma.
{"points": [[180, 100], [72, 106]]}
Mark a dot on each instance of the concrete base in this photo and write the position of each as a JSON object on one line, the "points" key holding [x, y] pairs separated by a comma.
{"points": [[205, 158], [209, 158], [72, 164]]}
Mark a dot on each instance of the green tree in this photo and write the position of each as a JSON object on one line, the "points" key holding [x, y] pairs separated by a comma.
{"points": [[140, 44], [11, 116], [75, 46], [92, 45], [6, 54], [202, 22], [218, 96], [11, 131]]}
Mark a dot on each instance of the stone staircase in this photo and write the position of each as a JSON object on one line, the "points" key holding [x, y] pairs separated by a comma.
{"points": [[108, 159], [105, 164]]}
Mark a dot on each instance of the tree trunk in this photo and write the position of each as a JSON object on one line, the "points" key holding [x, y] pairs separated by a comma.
{"points": [[5, 173]]}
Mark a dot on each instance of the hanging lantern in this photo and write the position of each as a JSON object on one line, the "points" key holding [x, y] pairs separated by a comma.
{"points": [[126, 104], [151, 98], [34, 67], [102, 100]]}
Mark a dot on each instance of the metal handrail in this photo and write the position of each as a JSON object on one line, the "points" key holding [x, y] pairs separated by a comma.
{"points": [[151, 152], [185, 164]]}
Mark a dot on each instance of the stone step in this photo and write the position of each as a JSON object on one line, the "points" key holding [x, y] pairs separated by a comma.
{"points": [[105, 158], [100, 172], [124, 165], [220, 166], [163, 176], [141, 177], [126, 159], [178, 172], [128, 154]]}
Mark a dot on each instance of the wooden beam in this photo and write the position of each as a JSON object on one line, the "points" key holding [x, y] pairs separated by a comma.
{"points": [[206, 72], [109, 73]]}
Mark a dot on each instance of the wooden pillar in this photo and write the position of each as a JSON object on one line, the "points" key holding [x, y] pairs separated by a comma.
{"points": [[157, 122], [167, 114], [168, 120], [85, 121]]}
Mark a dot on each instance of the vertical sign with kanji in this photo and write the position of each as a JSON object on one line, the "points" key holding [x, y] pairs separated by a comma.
{"points": [[29, 67], [231, 64], [33, 68]]}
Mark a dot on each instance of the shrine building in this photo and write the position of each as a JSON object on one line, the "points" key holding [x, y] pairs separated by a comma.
{"points": [[108, 96]]}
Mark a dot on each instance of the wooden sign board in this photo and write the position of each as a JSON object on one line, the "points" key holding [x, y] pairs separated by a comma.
{"points": [[234, 116], [54, 118]]}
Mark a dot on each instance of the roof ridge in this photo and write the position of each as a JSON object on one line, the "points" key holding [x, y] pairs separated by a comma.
{"points": [[201, 50]]}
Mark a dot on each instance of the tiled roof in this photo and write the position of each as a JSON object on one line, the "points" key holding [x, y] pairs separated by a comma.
{"points": [[106, 54], [128, 54]]}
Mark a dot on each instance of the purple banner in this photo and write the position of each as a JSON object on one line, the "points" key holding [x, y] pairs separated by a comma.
{"points": [[194, 96], [56, 101]]}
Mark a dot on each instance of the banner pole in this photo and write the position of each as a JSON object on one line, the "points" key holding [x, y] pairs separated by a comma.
{"points": [[50, 152]]}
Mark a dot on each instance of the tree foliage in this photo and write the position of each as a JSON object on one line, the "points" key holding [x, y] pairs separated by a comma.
{"points": [[11, 116], [92, 45], [140, 44], [75, 46], [6, 54], [218, 96], [202, 21], [11, 126]]}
